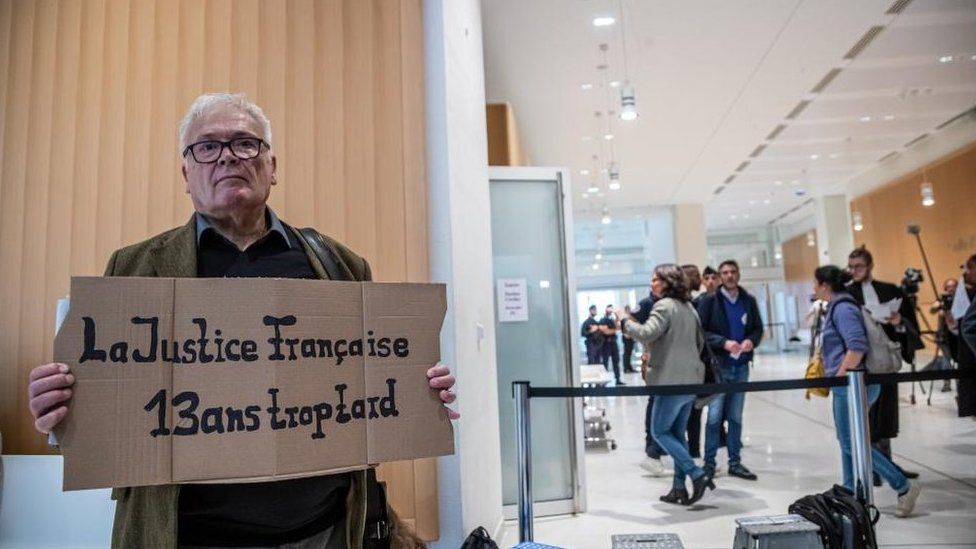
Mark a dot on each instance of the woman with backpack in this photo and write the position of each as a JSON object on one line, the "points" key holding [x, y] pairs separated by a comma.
{"points": [[674, 337], [844, 344]]}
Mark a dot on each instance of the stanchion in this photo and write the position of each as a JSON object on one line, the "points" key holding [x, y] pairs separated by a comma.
{"points": [[523, 449], [857, 413]]}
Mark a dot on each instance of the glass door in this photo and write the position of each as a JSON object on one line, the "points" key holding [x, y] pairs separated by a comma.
{"points": [[535, 330]]}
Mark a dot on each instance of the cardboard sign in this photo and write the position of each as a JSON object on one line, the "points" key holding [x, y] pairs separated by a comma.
{"points": [[231, 380]]}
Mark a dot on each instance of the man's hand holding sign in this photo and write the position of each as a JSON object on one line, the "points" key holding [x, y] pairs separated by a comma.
{"points": [[253, 402]]}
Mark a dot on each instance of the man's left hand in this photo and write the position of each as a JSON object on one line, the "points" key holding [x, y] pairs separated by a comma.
{"points": [[747, 346], [440, 377]]}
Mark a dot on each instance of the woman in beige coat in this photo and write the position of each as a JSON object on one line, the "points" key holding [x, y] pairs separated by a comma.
{"points": [[675, 339]]}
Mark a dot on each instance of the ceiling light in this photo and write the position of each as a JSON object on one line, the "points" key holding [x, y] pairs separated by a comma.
{"points": [[608, 136], [614, 185], [754, 262], [584, 172], [945, 59], [598, 257], [811, 239], [777, 183], [603, 21], [544, 284], [858, 221], [586, 87], [586, 195], [628, 104], [865, 119], [592, 189], [973, 58], [766, 201], [733, 217], [928, 195], [814, 156], [605, 219], [889, 117], [615, 83], [795, 182], [752, 202], [596, 266]]}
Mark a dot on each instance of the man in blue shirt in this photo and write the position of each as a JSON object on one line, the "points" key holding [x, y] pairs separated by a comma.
{"points": [[733, 329]]}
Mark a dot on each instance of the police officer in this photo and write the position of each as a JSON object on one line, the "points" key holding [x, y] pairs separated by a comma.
{"points": [[610, 325], [593, 337]]}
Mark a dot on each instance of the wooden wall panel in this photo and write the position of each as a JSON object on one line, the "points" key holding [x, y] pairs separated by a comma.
{"points": [[799, 260], [91, 94]]}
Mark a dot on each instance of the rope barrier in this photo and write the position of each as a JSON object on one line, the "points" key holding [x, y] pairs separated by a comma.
{"points": [[741, 387]]}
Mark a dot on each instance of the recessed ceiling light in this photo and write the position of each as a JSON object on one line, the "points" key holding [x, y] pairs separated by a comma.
{"points": [[752, 202], [608, 136], [596, 266], [733, 217], [598, 257], [586, 87], [614, 185], [603, 21], [584, 172], [945, 59], [586, 195], [865, 119], [777, 183], [615, 83], [814, 156], [592, 189], [889, 117], [766, 201], [973, 58]]}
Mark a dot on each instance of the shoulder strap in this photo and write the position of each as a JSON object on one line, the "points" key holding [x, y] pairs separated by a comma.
{"points": [[377, 534], [323, 251]]}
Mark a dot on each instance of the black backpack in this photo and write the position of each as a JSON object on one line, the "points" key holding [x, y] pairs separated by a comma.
{"points": [[829, 511]]}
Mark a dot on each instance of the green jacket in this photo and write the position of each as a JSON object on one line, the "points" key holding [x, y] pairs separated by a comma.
{"points": [[146, 516]]}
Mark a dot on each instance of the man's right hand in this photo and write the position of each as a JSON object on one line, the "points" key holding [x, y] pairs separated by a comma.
{"points": [[733, 347], [48, 391]]}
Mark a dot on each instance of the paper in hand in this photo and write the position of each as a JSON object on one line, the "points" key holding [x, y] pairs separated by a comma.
{"points": [[881, 312], [960, 301]]}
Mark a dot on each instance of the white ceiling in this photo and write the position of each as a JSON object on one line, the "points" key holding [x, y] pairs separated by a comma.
{"points": [[713, 79]]}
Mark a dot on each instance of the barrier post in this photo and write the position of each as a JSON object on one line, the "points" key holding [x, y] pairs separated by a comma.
{"points": [[857, 412], [523, 450]]}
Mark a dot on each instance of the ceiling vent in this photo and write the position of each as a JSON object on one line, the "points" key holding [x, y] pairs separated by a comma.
{"points": [[728, 179], [742, 166], [872, 33], [798, 109], [719, 190], [757, 151], [956, 117], [887, 156], [898, 7], [916, 140], [825, 81], [775, 133]]}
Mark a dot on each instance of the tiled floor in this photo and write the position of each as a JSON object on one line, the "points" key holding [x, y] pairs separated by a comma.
{"points": [[790, 444]]}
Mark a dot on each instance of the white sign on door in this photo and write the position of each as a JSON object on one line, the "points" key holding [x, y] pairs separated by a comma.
{"points": [[513, 300]]}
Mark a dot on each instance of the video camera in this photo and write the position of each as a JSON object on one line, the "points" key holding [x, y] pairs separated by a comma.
{"points": [[911, 280]]}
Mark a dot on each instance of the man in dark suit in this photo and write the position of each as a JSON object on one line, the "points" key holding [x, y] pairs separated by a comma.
{"points": [[901, 327], [229, 169], [966, 346], [592, 337], [733, 329]]}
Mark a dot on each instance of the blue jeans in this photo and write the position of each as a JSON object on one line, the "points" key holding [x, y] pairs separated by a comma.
{"points": [[881, 465], [669, 421], [732, 403], [651, 447]]}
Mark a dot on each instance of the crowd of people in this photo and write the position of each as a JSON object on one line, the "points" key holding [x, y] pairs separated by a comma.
{"points": [[697, 321]]}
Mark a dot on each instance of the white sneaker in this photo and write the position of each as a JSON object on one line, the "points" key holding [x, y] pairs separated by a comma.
{"points": [[906, 502], [655, 467]]}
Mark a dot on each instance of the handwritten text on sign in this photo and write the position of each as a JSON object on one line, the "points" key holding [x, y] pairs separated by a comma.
{"points": [[190, 380]]}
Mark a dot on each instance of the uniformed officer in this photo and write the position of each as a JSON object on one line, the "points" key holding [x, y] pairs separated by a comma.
{"points": [[590, 331], [611, 351]]}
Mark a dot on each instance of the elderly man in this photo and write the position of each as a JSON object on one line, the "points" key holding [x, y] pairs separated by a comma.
{"points": [[229, 169]]}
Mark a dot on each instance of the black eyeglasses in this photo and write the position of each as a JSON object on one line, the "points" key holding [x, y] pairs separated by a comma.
{"points": [[207, 152]]}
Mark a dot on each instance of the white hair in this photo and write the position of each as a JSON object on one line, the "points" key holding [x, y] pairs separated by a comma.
{"points": [[207, 101]]}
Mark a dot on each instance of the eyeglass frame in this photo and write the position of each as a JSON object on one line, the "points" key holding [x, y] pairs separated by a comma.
{"points": [[225, 145]]}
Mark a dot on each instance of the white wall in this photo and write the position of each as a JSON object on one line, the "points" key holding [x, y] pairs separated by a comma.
{"points": [[690, 238], [460, 254]]}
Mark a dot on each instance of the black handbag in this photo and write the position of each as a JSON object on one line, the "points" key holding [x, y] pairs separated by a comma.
{"points": [[479, 539], [713, 371]]}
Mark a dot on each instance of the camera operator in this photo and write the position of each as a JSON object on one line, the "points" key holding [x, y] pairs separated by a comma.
{"points": [[947, 333], [966, 350], [901, 327]]}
